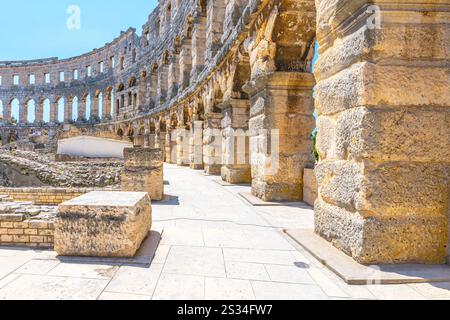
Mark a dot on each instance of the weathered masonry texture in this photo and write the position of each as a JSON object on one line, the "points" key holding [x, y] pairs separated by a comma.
{"points": [[216, 67]]}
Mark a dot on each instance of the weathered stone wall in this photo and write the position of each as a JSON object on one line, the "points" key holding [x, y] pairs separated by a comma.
{"points": [[383, 109], [46, 195], [27, 233]]}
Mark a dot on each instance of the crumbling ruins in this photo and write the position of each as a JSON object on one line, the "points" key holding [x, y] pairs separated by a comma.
{"points": [[227, 86]]}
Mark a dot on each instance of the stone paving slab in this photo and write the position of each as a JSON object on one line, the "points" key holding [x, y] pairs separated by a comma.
{"points": [[257, 202], [357, 274], [222, 183]]}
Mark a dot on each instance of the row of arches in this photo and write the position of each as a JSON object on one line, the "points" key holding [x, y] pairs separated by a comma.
{"points": [[61, 109]]}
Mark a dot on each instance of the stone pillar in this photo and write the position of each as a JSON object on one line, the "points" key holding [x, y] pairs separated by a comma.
{"points": [[39, 112], [143, 172], [215, 20], [212, 144], [94, 108], [154, 88], [82, 110], [171, 146], [68, 110], [105, 102], [53, 112], [173, 79], [23, 113], [138, 140], [198, 46], [196, 146], [280, 127], [235, 145], [107, 107], [161, 142], [163, 83], [383, 105], [7, 112], [182, 141], [185, 63], [146, 142]]}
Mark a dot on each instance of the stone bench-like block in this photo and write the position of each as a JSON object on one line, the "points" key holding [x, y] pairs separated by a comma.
{"points": [[103, 224], [143, 172]]}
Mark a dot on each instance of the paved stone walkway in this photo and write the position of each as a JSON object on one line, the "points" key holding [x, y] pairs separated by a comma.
{"points": [[214, 246]]}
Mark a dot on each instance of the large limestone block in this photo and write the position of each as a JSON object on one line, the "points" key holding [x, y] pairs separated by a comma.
{"points": [[404, 239], [103, 224], [143, 172]]}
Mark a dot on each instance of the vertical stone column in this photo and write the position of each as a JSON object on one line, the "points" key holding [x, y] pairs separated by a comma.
{"points": [[161, 142], [171, 146], [383, 105], [137, 138], [185, 63], [212, 144], [163, 81], [198, 46], [81, 110], [154, 88], [196, 146], [182, 141], [7, 112], [143, 172], [39, 112], [53, 112], [94, 108], [280, 126], [235, 145], [157, 144], [215, 20], [106, 105], [23, 113], [68, 103], [146, 143], [174, 73]]}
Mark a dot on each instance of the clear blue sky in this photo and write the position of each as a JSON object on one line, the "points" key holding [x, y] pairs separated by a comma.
{"points": [[32, 29]]}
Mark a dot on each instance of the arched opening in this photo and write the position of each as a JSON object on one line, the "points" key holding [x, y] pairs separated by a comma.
{"points": [[31, 111], [15, 110], [46, 111], [132, 82]]}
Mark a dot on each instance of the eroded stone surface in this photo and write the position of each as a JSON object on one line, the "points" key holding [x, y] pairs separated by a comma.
{"points": [[103, 224], [143, 172]]}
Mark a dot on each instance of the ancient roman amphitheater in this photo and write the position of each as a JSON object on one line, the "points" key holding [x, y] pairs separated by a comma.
{"points": [[229, 87]]}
